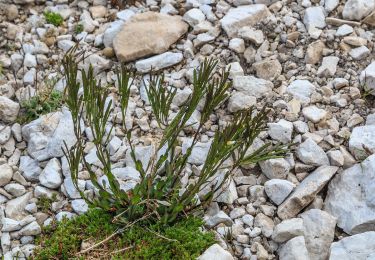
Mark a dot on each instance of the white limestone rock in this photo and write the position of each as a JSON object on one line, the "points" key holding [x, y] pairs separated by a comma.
{"points": [[361, 247], [278, 190], [301, 90], [362, 141], [357, 9], [294, 249], [159, 62], [281, 131], [288, 229], [311, 153], [351, 199]]}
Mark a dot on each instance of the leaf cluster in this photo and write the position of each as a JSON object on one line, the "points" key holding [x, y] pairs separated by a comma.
{"points": [[161, 195]]}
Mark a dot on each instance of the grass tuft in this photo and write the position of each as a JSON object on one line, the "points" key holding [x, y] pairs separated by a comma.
{"points": [[53, 18], [63, 240]]}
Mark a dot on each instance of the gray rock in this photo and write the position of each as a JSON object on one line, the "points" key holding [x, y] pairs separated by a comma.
{"points": [[15, 208], [275, 168], [159, 62], [29, 168], [358, 247], [314, 17], [8, 109], [294, 249], [51, 176], [265, 223], [199, 152], [15, 189], [368, 76], [220, 217], [194, 16], [215, 252], [311, 153], [344, 30], [330, 5], [306, 191], [142, 153], [239, 101], [31, 229], [246, 15], [301, 90], [281, 131], [314, 114], [252, 86], [64, 215], [71, 190], [6, 174], [80, 206], [319, 231], [46, 135], [278, 190], [357, 9], [359, 53], [328, 67], [351, 199], [9, 225], [288, 229], [362, 141], [111, 32]]}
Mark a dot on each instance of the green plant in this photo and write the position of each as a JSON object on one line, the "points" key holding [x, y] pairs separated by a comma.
{"points": [[160, 195], [1, 68], [53, 18], [78, 28], [40, 104], [44, 203], [63, 240]]}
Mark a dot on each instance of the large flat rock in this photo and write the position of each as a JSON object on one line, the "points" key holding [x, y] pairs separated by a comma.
{"points": [[351, 198], [357, 247], [146, 34]]}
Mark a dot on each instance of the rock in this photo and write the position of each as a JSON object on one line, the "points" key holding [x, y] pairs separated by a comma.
{"points": [[336, 158], [288, 229], [80, 206], [311, 153], [359, 53], [238, 45], [146, 34], [362, 141], [220, 217], [301, 90], [5, 134], [314, 17], [314, 52], [88, 23], [328, 67], [70, 188], [367, 77], [357, 9], [268, 69], [246, 15], [31, 229], [294, 249], [15, 189], [6, 174], [215, 252], [46, 135], [319, 230], [159, 62], [344, 30], [252, 86], [265, 224], [64, 215], [314, 114], [199, 152], [8, 110], [142, 153], [277, 190], [98, 11], [351, 199], [194, 16], [51, 176], [275, 168], [15, 208], [238, 101], [370, 19], [355, 41], [361, 247], [251, 35], [110, 33], [306, 191], [330, 5], [281, 131], [29, 168]]}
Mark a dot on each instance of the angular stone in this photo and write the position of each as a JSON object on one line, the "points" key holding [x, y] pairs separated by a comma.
{"points": [[159, 62], [238, 101], [351, 198], [268, 69], [51, 176], [277, 168], [15, 208], [362, 141], [265, 223], [306, 191], [328, 67], [319, 231], [367, 77], [314, 52], [281, 131], [277, 190], [6, 174], [220, 217], [301, 90], [252, 86], [314, 17], [294, 249], [311, 153], [246, 15], [314, 114], [287, 229], [29, 168], [215, 252], [357, 9], [146, 34], [358, 247], [46, 135], [8, 109]]}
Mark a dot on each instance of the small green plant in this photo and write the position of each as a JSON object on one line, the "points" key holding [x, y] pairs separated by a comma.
{"points": [[53, 18], [40, 104], [1, 69], [44, 203], [160, 195], [63, 240], [78, 28]]}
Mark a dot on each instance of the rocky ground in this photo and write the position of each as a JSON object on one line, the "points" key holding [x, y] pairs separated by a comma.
{"points": [[311, 61]]}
